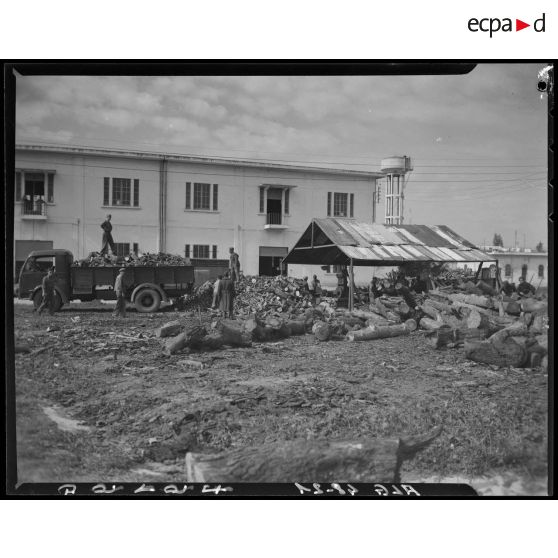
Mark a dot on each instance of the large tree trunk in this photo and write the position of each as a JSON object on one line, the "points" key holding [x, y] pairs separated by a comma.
{"points": [[430, 310], [440, 306], [482, 301], [430, 325], [534, 306], [322, 331], [233, 333], [446, 336], [378, 332], [304, 461], [499, 349]]}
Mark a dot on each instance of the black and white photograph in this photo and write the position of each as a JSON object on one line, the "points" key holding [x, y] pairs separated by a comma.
{"points": [[311, 278]]}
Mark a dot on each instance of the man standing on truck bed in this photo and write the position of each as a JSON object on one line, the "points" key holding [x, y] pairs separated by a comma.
{"points": [[120, 309], [107, 236], [234, 265], [49, 280]]}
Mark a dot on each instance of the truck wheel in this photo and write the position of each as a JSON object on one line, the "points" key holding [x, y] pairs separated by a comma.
{"points": [[147, 300], [38, 299]]}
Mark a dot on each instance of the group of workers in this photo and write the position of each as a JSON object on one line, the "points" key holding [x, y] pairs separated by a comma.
{"points": [[523, 289], [224, 288]]}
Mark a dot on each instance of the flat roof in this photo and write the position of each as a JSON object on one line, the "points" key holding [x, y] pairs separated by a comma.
{"points": [[155, 156]]}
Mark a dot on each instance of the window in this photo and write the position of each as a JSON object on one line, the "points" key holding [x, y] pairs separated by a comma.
{"points": [[524, 269], [17, 186], [201, 251], [118, 192], [214, 252], [201, 196], [508, 270], [262, 199], [39, 264], [541, 271], [215, 196], [34, 187], [122, 249], [329, 205], [205, 196], [121, 191], [187, 251], [340, 205], [287, 201], [135, 248], [351, 204]]}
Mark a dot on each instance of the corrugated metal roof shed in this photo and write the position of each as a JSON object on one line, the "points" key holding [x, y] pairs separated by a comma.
{"points": [[336, 241]]}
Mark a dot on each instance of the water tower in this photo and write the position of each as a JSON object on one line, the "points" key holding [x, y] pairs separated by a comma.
{"points": [[395, 169]]}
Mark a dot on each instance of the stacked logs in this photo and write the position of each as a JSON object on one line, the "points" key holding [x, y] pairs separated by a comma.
{"points": [[496, 330]]}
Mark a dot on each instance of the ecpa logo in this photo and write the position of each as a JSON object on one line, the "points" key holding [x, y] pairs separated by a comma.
{"points": [[494, 24]]}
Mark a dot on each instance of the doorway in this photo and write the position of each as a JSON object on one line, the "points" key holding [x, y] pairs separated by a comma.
{"points": [[270, 260]]}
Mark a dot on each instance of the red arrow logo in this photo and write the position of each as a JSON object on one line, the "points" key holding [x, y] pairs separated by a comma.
{"points": [[519, 25]]}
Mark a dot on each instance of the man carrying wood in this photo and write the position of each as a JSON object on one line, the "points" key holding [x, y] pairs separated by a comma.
{"points": [[226, 293], [216, 292], [120, 309], [107, 236], [234, 265], [49, 281]]}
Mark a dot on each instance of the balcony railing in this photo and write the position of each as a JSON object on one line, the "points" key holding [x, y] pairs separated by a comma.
{"points": [[34, 209], [273, 219]]}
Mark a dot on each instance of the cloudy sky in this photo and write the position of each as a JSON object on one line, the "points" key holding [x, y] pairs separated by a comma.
{"points": [[478, 142]]}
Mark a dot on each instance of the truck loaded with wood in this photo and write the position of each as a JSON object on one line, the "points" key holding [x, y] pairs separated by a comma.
{"points": [[149, 280]]}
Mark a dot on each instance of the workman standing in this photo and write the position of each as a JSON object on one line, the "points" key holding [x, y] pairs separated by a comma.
{"points": [[525, 288], [226, 293], [409, 299], [107, 236], [373, 289], [316, 290], [234, 265], [120, 309], [342, 282], [49, 281]]}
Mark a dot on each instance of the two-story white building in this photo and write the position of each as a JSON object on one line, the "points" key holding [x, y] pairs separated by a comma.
{"points": [[193, 206]]}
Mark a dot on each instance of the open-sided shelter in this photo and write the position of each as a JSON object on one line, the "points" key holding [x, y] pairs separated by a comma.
{"points": [[349, 242]]}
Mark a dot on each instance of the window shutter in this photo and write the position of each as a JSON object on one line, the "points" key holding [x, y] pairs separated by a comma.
{"points": [[214, 251], [188, 196], [106, 190], [262, 196], [215, 196], [17, 186], [287, 201], [351, 204], [136, 192], [187, 251], [329, 204]]}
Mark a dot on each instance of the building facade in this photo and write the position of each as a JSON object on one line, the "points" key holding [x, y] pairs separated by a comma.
{"points": [[193, 206]]}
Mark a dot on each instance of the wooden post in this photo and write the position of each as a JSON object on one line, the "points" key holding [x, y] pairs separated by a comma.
{"points": [[478, 272], [351, 285]]}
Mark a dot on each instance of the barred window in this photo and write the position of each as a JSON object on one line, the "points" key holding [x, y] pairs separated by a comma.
{"points": [[201, 196], [214, 252], [122, 249], [329, 204], [340, 205], [121, 190], [508, 270], [201, 251], [287, 201], [186, 250], [262, 199], [215, 197]]}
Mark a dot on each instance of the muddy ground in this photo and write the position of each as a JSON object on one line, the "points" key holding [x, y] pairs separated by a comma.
{"points": [[103, 403]]}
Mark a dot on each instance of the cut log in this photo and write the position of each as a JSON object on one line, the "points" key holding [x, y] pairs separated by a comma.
{"points": [[452, 321], [304, 461], [430, 311], [378, 332], [474, 300], [440, 306], [233, 333], [176, 344], [512, 307], [534, 306], [322, 331], [429, 324], [381, 309], [508, 353], [411, 324], [371, 317], [169, 329], [194, 336], [476, 320]]}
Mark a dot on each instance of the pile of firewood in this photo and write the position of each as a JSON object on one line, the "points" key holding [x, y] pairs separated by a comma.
{"points": [[96, 259]]}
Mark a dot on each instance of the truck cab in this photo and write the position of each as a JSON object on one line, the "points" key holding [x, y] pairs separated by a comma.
{"points": [[35, 268]]}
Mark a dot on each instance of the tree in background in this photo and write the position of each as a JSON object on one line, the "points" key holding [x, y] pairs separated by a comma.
{"points": [[498, 240], [539, 247]]}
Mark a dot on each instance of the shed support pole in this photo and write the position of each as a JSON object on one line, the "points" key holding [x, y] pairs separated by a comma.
{"points": [[351, 285], [478, 272]]}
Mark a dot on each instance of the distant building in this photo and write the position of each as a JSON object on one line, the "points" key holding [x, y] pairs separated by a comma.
{"points": [[193, 206]]}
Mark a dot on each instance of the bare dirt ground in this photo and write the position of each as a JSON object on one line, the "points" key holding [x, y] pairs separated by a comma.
{"points": [[103, 403]]}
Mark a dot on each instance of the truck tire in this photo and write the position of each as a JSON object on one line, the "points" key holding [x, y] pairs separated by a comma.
{"points": [[147, 300], [38, 299]]}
